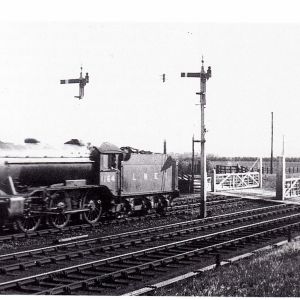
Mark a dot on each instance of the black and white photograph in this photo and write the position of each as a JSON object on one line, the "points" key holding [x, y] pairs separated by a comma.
{"points": [[150, 148]]}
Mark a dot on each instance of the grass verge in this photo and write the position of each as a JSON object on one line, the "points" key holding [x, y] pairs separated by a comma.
{"points": [[274, 273]]}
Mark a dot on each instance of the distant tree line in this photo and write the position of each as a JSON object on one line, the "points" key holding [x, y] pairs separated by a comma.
{"points": [[213, 157], [185, 162]]}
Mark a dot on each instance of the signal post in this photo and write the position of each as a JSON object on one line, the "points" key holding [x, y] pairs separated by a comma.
{"points": [[204, 76], [193, 165]]}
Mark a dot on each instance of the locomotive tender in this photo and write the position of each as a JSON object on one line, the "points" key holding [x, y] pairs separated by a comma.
{"points": [[42, 184]]}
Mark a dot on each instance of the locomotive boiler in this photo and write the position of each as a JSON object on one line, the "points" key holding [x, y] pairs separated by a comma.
{"points": [[44, 184]]}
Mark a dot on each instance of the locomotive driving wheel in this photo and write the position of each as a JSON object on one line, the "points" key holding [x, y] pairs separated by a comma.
{"points": [[28, 222], [59, 205], [92, 202], [162, 206]]}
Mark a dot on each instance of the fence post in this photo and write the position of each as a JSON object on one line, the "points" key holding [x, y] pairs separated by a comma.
{"points": [[260, 172], [213, 181], [280, 178]]}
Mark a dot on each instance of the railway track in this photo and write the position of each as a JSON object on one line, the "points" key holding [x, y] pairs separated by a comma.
{"points": [[182, 205], [164, 248]]}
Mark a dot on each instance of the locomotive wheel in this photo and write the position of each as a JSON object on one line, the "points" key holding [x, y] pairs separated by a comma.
{"points": [[60, 219], [146, 206], [93, 203], [162, 206], [28, 222]]}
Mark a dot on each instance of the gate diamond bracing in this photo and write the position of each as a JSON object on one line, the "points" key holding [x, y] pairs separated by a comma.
{"points": [[232, 181], [291, 187]]}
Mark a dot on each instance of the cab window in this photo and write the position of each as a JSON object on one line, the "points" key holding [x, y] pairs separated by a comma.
{"points": [[108, 161], [103, 162]]}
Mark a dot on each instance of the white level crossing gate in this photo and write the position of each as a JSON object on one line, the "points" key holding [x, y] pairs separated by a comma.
{"points": [[230, 181], [285, 187], [291, 187]]}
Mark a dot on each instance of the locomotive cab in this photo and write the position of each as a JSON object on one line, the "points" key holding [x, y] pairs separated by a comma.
{"points": [[107, 164]]}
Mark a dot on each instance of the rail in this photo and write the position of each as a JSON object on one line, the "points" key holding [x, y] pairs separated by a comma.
{"points": [[100, 275]]}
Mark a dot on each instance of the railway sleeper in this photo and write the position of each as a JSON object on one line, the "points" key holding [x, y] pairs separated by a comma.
{"points": [[187, 248], [121, 281], [233, 247], [175, 251], [90, 273], [253, 240], [108, 285], [264, 238], [198, 259], [196, 245], [241, 234], [179, 262], [47, 284], [156, 256], [62, 280], [160, 269], [93, 289], [30, 289], [237, 246], [108, 268], [25, 265], [148, 273], [145, 259], [57, 259], [171, 253], [118, 265], [13, 267], [130, 262], [43, 261], [136, 277], [224, 251], [75, 276], [171, 265]]}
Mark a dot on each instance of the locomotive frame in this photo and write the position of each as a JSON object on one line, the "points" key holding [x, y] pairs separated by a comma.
{"points": [[118, 182]]}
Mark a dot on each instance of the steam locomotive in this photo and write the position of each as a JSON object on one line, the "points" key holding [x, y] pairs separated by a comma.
{"points": [[42, 184]]}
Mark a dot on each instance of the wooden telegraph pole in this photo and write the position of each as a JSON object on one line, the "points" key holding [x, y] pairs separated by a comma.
{"points": [[271, 163], [193, 157], [165, 147], [204, 76]]}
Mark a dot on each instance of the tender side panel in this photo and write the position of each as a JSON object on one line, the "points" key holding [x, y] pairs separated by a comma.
{"points": [[147, 173]]}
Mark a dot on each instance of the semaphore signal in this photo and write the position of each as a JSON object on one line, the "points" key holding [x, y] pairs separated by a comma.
{"points": [[204, 76], [82, 82]]}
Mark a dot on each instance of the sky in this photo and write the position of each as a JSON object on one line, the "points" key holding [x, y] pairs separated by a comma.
{"points": [[255, 70]]}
